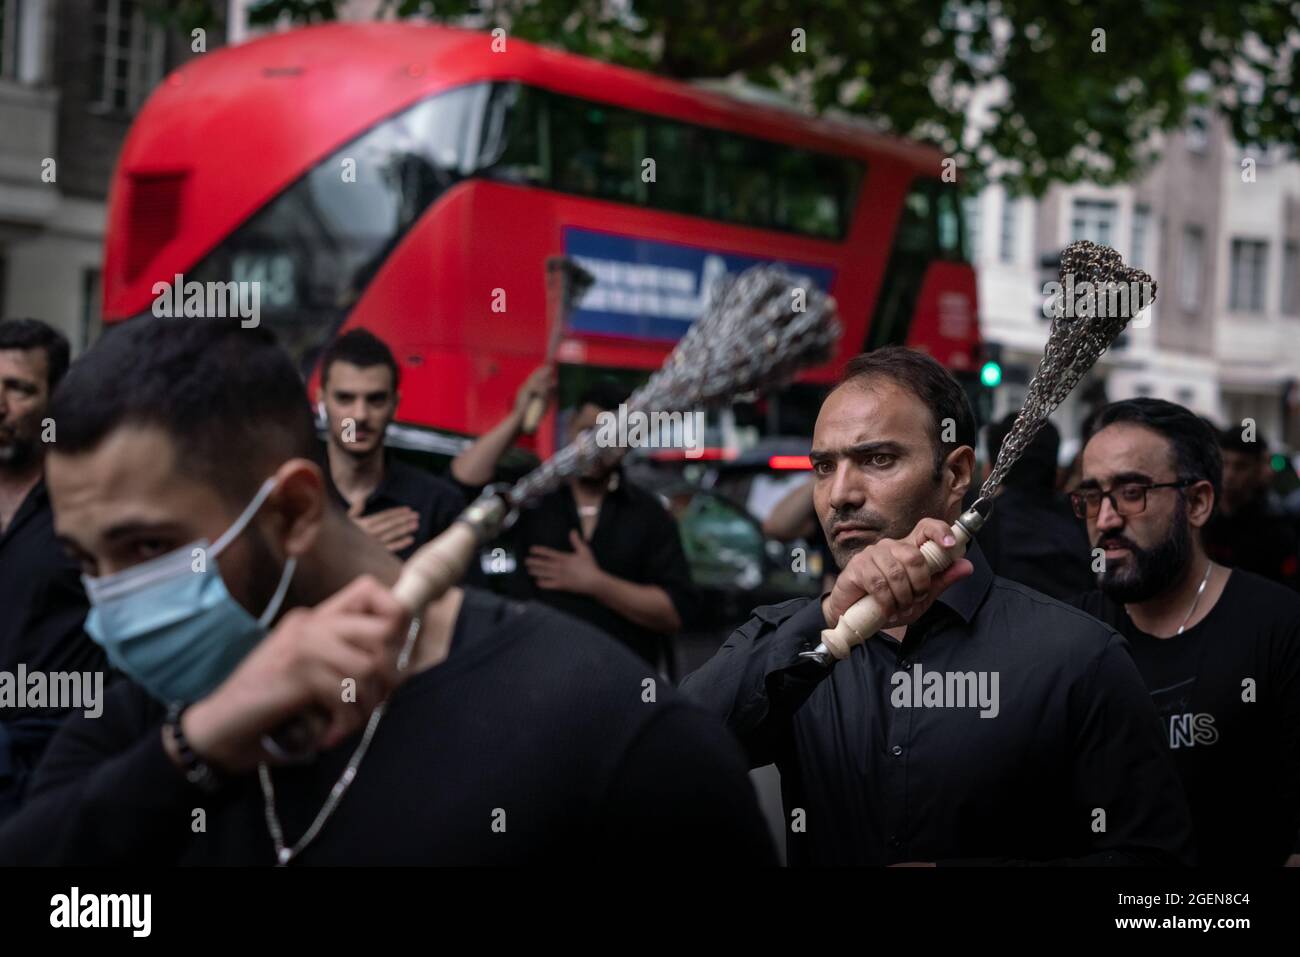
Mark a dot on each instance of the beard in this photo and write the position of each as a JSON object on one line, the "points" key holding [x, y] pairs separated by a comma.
{"points": [[358, 451], [16, 453], [1149, 571]]}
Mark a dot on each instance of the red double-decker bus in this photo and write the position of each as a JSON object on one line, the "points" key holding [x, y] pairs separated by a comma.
{"points": [[413, 180]]}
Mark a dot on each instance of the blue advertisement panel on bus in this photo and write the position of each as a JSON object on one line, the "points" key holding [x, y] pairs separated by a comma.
{"points": [[646, 289]]}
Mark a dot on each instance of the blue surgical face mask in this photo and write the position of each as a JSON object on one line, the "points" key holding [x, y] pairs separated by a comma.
{"points": [[171, 625]]}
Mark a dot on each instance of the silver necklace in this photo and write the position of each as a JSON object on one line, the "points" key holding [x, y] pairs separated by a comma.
{"points": [[1204, 581], [284, 854]]}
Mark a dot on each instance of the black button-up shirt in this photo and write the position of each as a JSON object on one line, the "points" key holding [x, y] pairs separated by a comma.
{"points": [[1068, 766], [635, 539], [437, 501], [42, 604]]}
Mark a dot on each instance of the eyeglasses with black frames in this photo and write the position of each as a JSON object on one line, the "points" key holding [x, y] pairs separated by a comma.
{"points": [[1127, 498]]}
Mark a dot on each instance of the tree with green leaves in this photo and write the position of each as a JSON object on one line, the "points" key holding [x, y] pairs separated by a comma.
{"points": [[1068, 89]]}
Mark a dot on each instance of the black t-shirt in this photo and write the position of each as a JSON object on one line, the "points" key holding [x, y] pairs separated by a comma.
{"points": [[1239, 759], [535, 724]]}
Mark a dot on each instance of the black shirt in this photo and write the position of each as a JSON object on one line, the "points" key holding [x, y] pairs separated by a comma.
{"points": [[534, 721], [42, 603], [879, 782], [1239, 759], [437, 501], [1033, 537], [635, 539]]}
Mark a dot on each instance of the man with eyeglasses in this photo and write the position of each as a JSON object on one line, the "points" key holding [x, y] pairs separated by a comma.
{"points": [[1219, 647]]}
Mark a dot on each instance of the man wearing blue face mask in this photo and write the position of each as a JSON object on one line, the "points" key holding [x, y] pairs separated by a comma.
{"points": [[235, 593]]}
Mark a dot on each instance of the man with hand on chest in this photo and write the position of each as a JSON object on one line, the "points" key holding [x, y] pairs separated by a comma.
{"points": [[598, 548], [400, 505]]}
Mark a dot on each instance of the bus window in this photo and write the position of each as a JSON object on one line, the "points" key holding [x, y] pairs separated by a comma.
{"points": [[812, 192], [929, 228], [598, 150], [916, 226], [742, 185], [593, 149], [515, 135], [683, 175], [948, 209]]}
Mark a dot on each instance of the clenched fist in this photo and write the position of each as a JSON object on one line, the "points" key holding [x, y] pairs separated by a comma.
{"points": [[895, 574], [540, 384]]}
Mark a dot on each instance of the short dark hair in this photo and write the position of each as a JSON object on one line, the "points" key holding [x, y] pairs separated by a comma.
{"points": [[1232, 440], [229, 398], [361, 348], [605, 394], [930, 382], [1193, 440], [1036, 466], [33, 334]]}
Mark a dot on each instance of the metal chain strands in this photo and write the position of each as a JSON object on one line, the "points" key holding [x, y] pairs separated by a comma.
{"points": [[761, 328], [1074, 343]]}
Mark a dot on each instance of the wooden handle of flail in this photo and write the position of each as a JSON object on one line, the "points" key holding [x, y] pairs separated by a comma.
{"points": [[533, 413], [437, 566], [864, 618]]}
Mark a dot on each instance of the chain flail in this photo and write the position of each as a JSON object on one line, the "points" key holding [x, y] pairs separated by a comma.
{"points": [[1075, 341], [760, 328]]}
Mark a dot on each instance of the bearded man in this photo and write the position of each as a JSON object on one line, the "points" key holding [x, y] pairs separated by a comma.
{"points": [[1219, 647]]}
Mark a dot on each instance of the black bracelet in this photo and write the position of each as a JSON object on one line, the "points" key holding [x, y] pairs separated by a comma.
{"points": [[197, 771]]}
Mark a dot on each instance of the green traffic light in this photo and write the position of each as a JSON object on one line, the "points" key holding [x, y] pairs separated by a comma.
{"points": [[1278, 462], [991, 374]]}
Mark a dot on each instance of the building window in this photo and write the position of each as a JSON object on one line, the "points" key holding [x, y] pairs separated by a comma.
{"points": [[1138, 253], [1093, 220], [21, 31], [1191, 267], [948, 208], [1246, 287], [1007, 232], [10, 12], [128, 61], [1291, 279]]}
